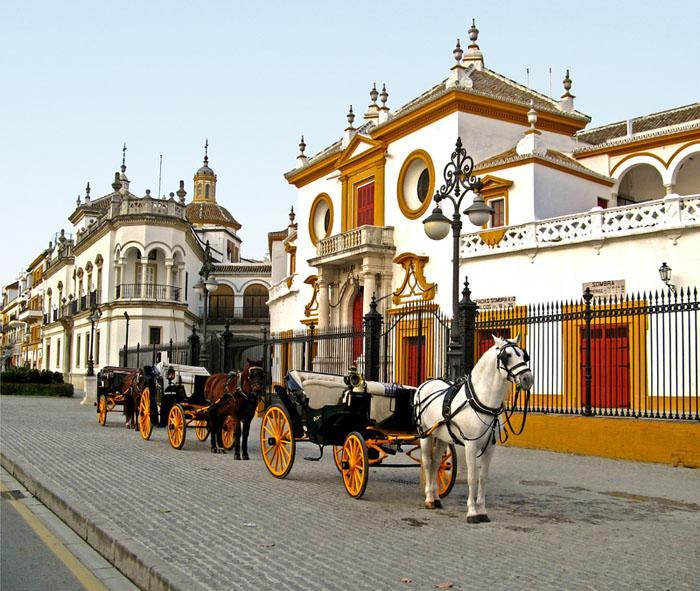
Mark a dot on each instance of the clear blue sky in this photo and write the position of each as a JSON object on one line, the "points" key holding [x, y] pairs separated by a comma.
{"points": [[81, 78]]}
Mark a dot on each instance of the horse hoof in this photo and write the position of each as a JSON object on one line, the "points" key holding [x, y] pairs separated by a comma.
{"points": [[430, 505], [438, 504], [222, 450], [214, 450], [473, 519], [237, 457], [245, 457], [484, 518]]}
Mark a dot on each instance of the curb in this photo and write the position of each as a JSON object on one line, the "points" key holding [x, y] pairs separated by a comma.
{"points": [[128, 555]]}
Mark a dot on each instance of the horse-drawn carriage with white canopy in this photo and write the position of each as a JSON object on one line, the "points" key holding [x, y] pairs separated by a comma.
{"points": [[364, 421]]}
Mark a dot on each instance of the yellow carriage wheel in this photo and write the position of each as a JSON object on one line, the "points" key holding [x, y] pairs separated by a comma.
{"points": [[338, 457], [447, 472], [354, 465], [145, 424], [102, 410], [228, 433], [276, 441], [177, 427], [201, 429]]}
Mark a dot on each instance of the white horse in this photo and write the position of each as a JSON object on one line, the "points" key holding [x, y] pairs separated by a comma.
{"points": [[471, 418]]}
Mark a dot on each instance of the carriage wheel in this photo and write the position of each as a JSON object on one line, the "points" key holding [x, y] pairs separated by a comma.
{"points": [[228, 433], [338, 457], [201, 430], [102, 410], [354, 465], [177, 428], [447, 472], [145, 424], [276, 441]]}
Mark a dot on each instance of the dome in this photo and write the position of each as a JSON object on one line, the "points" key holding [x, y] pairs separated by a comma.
{"points": [[205, 170], [207, 212]]}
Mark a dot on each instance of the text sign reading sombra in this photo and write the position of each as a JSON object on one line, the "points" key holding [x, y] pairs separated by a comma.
{"points": [[507, 302], [606, 289]]}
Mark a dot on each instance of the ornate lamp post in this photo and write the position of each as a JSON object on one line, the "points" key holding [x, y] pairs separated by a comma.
{"points": [[206, 285], [459, 180], [95, 315]]}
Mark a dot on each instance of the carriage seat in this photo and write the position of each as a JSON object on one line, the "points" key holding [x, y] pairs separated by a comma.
{"points": [[321, 389]]}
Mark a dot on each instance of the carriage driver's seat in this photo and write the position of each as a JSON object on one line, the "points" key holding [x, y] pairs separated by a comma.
{"points": [[321, 389]]}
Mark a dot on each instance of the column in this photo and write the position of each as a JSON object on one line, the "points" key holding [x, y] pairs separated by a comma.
{"points": [[169, 280], [370, 287], [323, 304], [144, 272]]}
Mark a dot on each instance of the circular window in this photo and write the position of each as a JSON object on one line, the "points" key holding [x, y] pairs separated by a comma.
{"points": [[416, 184], [321, 218]]}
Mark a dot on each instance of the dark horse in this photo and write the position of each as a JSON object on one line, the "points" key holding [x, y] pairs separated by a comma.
{"points": [[235, 394], [131, 388]]}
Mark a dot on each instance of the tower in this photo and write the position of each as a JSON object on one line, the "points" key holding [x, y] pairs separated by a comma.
{"points": [[205, 181]]}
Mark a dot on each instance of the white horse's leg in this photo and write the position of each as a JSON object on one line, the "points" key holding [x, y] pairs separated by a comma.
{"points": [[438, 450], [426, 462], [483, 475], [470, 450]]}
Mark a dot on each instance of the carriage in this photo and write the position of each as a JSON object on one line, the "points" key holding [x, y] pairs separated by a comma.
{"points": [[365, 422], [117, 387], [184, 404]]}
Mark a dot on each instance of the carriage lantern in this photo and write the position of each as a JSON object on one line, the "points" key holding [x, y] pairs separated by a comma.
{"points": [[459, 180]]}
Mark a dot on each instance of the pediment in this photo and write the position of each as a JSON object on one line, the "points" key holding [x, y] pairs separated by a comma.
{"points": [[494, 184], [360, 145]]}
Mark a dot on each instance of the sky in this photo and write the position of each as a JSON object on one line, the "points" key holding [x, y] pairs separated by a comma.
{"points": [[81, 78]]}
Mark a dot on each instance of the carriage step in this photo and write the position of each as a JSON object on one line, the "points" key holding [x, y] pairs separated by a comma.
{"points": [[310, 459]]}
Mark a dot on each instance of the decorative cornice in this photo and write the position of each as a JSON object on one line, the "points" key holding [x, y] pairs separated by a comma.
{"points": [[640, 141]]}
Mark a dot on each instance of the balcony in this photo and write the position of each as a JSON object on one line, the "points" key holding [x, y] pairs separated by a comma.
{"points": [[76, 305], [354, 245], [28, 314], [672, 216], [148, 291]]}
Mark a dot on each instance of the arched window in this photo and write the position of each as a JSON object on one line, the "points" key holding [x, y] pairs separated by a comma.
{"points": [[688, 175], [254, 302], [206, 191], [640, 183]]}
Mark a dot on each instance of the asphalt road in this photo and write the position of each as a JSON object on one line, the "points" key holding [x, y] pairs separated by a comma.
{"points": [[558, 521]]}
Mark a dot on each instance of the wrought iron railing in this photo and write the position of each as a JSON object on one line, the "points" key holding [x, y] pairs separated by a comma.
{"points": [[148, 291]]}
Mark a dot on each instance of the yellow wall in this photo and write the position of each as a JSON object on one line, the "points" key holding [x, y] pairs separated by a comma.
{"points": [[648, 440]]}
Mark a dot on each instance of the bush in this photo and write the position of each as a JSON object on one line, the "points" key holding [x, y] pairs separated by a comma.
{"points": [[23, 375], [18, 388]]}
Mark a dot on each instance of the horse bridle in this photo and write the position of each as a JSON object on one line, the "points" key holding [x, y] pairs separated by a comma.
{"points": [[513, 372]]}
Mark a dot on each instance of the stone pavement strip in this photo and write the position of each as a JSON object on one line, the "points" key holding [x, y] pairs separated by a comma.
{"points": [[190, 519]]}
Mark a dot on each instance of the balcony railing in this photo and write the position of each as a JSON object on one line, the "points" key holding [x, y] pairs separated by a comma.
{"points": [[148, 291], [382, 236], [670, 214], [239, 313], [76, 305]]}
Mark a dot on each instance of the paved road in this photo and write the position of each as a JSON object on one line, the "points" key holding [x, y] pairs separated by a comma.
{"points": [[40, 553], [559, 521]]}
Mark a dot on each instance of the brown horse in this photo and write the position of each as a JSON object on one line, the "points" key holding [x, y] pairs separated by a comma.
{"points": [[236, 395], [131, 388]]}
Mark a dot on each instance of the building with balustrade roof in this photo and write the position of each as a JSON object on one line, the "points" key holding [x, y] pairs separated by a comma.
{"points": [[135, 257]]}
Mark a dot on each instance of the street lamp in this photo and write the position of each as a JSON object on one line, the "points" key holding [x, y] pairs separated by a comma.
{"points": [[459, 180], [94, 317], [126, 339], [206, 285]]}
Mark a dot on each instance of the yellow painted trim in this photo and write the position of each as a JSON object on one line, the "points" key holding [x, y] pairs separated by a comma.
{"points": [[310, 173], [321, 198], [493, 237], [644, 143], [548, 164], [644, 440], [413, 265], [57, 548], [413, 214], [666, 164], [465, 102]]}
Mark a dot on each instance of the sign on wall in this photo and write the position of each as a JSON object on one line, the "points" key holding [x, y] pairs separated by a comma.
{"points": [[606, 289], [505, 302]]}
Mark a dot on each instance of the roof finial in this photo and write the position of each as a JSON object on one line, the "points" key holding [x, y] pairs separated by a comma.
{"points": [[351, 118], [532, 115], [473, 33], [117, 184], [181, 192], [474, 55], [567, 85], [373, 94], [384, 96], [206, 152], [302, 146], [457, 51], [124, 158], [292, 215], [77, 201], [87, 191]]}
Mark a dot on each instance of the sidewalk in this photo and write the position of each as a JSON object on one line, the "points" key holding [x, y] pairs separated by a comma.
{"points": [[192, 519]]}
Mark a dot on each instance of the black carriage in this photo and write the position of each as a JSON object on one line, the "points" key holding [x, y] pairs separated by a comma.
{"points": [[111, 395], [364, 422]]}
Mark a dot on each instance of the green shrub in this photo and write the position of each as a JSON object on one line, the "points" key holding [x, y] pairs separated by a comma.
{"points": [[23, 375], [24, 389]]}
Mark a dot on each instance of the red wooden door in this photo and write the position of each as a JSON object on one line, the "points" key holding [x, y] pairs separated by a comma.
{"points": [[365, 205], [357, 324], [415, 359], [609, 366], [485, 340]]}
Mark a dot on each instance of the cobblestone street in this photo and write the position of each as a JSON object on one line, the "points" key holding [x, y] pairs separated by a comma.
{"points": [[558, 521]]}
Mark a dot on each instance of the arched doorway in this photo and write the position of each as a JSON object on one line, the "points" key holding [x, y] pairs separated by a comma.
{"points": [[640, 183], [221, 303], [688, 175], [255, 302]]}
